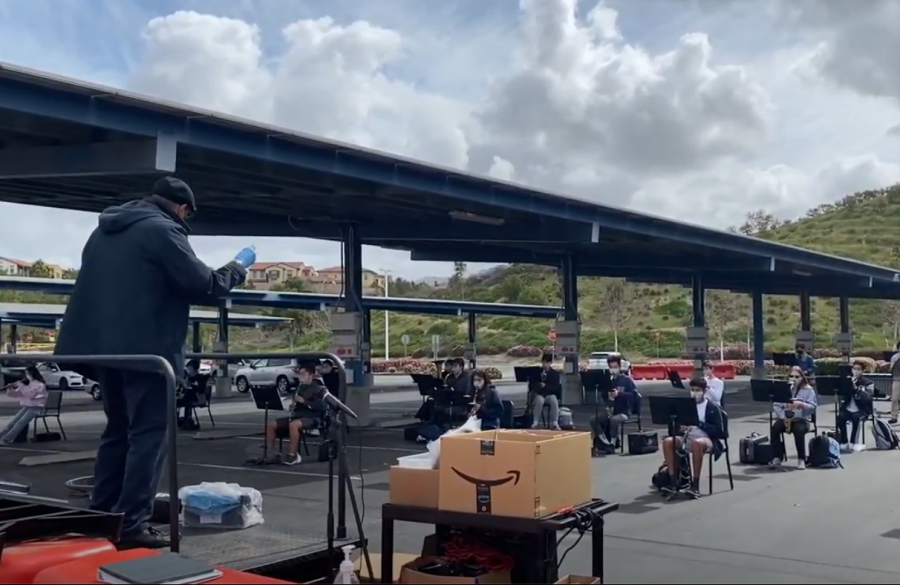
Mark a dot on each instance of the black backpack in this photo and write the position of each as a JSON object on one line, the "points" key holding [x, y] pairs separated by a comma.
{"points": [[824, 453], [661, 478]]}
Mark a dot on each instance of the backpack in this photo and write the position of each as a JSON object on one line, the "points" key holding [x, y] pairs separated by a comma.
{"points": [[661, 479], [885, 437], [824, 453]]}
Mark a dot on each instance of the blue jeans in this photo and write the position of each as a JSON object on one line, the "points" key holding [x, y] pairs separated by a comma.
{"points": [[20, 421], [132, 450]]}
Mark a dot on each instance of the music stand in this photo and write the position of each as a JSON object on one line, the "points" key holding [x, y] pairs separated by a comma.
{"points": [[784, 359], [771, 391], [266, 399], [675, 380], [427, 384], [674, 412], [527, 373], [886, 356]]}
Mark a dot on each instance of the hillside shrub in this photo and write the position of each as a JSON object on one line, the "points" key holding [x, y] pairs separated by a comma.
{"points": [[524, 351], [416, 366]]}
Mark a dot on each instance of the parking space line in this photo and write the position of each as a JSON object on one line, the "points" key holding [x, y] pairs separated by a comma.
{"points": [[261, 470], [351, 447]]}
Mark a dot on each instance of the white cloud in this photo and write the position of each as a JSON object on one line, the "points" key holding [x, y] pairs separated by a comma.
{"points": [[541, 96]]}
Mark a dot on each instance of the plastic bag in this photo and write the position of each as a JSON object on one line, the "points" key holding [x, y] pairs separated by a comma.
{"points": [[473, 425], [220, 505]]}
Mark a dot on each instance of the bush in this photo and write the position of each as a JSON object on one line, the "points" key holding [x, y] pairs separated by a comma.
{"points": [[404, 366], [493, 373], [524, 351]]}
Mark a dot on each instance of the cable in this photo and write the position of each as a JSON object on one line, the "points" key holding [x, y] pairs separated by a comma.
{"points": [[584, 520], [466, 550]]}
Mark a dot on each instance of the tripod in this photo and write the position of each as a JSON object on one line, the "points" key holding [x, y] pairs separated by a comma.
{"points": [[337, 450], [266, 399]]}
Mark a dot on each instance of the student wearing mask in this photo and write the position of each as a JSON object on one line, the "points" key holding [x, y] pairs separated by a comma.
{"points": [[895, 385], [697, 441], [307, 409], [548, 390], [459, 382], [805, 362], [621, 404], [488, 406], [854, 408], [32, 396], [715, 387], [329, 376], [793, 418]]}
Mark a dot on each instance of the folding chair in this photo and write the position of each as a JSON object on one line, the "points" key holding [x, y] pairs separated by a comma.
{"points": [[52, 409], [726, 454], [204, 400]]}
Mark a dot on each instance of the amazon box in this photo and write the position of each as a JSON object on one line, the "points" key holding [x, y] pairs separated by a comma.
{"points": [[518, 473], [576, 580], [413, 482], [410, 574]]}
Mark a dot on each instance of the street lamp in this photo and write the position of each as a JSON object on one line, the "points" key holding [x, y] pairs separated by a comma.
{"points": [[387, 317]]}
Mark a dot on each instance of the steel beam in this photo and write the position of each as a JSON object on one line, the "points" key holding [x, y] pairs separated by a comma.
{"points": [[155, 155], [449, 231]]}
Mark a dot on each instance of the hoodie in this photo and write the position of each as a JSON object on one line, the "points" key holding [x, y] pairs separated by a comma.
{"points": [[139, 277]]}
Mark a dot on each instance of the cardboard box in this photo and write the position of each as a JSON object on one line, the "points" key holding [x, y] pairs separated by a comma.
{"points": [[400, 559], [576, 580], [414, 483], [410, 575], [519, 473]]}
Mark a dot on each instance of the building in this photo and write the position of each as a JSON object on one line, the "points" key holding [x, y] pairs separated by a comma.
{"points": [[265, 275], [13, 267]]}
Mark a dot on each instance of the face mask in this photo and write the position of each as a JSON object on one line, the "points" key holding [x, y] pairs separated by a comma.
{"points": [[698, 396], [707, 374], [614, 371], [857, 373], [479, 384]]}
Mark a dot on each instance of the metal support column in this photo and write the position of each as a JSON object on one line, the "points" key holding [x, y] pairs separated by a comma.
{"points": [[805, 312], [196, 342], [223, 383], [13, 338], [572, 393], [697, 337], [845, 337], [759, 337], [360, 386], [471, 353]]}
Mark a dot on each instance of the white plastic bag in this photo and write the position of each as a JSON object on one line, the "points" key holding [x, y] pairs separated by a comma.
{"points": [[473, 425], [220, 505]]}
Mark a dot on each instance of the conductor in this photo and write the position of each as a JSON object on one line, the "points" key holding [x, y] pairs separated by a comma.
{"points": [[138, 279]]}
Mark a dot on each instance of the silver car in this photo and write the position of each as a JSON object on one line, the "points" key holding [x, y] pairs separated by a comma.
{"points": [[56, 377], [266, 373]]}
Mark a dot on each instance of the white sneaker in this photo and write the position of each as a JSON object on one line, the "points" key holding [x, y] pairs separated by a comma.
{"points": [[775, 463], [556, 428], [846, 448], [292, 459], [858, 447], [801, 464], [534, 425]]}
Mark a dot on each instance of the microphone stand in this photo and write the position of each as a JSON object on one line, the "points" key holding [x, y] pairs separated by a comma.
{"points": [[337, 450]]}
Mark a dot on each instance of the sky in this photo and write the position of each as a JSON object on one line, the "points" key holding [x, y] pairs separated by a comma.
{"points": [[699, 110]]}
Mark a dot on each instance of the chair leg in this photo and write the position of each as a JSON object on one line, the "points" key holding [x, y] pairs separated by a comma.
{"points": [[62, 431], [728, 465], [710, 472], [304, 443], [622, 439], [212, 421], [46, 426]]}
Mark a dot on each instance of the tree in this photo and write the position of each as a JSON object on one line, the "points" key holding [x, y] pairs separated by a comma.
{"points": [[722, 311], [890, 311], [757, 222], [616, 305], [40, 270], [458, 281], [70, 273]]}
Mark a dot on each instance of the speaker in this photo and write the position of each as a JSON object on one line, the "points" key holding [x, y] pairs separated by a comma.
{"points": [[643, 442]]}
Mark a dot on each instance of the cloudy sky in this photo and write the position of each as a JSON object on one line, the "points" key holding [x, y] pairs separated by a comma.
{"points": [[700, 110]]}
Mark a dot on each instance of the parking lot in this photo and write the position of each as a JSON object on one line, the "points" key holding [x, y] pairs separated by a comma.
{"points": [[816, 526]]}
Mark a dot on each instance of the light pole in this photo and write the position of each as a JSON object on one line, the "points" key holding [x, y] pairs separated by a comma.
{"points": [[387, 318]]}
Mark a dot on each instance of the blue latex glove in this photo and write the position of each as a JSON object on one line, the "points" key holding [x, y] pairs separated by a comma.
{"points": [[247, 257]]}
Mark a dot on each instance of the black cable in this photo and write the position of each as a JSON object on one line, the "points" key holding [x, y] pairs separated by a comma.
{"points": [[584, 520]]}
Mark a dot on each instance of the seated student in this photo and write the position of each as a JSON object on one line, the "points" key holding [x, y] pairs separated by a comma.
{"points": [[308, 406], [805, 362], [459, 382], [488, 406], [793, 418], [696, 441], [715, 387], [546, 390], [854, 408], [330, 377], [31, 392], [622, 403], [189, 396]]}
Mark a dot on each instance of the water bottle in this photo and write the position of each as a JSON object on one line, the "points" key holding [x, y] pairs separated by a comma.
{"points": [[346, 572]]}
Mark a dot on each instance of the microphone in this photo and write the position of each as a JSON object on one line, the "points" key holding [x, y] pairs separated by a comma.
{"points": [[336, 403]]}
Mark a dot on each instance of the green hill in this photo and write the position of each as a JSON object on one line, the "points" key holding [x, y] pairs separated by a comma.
{"points": [[646, 320]]}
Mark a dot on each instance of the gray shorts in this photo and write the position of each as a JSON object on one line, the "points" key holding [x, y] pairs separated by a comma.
{"points": [[690, 441]]}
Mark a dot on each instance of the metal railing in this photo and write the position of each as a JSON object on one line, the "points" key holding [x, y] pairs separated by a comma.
{"points": [[154, 364]]}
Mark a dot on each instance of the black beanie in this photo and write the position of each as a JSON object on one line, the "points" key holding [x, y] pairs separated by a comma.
{"points": [[176, 191]]}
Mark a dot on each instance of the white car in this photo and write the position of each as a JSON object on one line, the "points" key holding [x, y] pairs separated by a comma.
{"points": [[266, 373], [599, 360], [55, 377], [93, 388]]}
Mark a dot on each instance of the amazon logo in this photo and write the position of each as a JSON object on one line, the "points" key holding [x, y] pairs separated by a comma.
{"points": [[483, 487]]}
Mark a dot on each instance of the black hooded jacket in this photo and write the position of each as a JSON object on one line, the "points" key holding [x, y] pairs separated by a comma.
{"points": [[139, 277]]}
